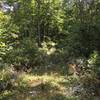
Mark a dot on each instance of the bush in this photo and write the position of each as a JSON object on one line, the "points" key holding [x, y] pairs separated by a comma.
{"points": [[94, 63], [91, 78], [23, 54]]}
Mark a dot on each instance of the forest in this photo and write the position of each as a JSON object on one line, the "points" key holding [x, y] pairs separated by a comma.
{"points": [[49, 49]]}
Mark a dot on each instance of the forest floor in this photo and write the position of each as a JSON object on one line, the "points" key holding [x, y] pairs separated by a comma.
{"points": [[35, 87], [48, 86]]}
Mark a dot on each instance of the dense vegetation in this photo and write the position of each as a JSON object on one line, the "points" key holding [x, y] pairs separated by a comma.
{"points": [[49, 49]]}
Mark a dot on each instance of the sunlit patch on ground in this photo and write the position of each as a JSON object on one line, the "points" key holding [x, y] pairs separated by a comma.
{"points": [[35, 87], [42, 87]]}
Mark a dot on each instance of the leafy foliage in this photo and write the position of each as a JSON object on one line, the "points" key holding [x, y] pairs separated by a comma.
{"points": [[46, 35]]}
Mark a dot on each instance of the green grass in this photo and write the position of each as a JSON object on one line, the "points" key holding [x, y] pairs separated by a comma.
{"points": [[48, 86], [36, 87]]}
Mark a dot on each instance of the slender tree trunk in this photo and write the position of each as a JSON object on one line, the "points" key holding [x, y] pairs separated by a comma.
{"points": [[38, 23]]}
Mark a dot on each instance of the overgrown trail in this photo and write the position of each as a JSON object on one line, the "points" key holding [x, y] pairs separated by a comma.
{"points": [[44, 87], [35, 87]]}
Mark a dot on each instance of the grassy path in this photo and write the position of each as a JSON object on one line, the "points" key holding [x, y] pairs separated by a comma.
{"points": [[35, 87]]}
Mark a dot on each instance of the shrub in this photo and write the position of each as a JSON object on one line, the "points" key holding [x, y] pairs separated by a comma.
{"points": [[23, 54]]}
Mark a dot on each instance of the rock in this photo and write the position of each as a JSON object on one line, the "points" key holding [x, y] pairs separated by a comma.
{"points": [[77, 89]]}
